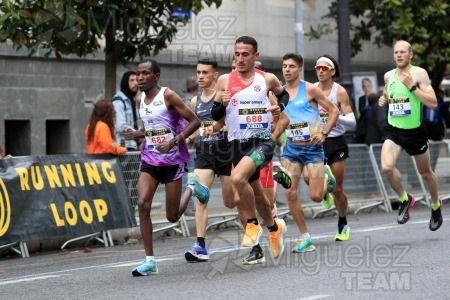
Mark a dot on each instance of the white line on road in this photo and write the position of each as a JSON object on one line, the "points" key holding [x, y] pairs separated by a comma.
{"points": [[30, 279], [315, 297]]}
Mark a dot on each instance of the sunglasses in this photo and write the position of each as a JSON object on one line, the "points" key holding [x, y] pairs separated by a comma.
{"points": [[323, 68]]}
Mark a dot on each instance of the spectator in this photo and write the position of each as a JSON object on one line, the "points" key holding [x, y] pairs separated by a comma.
{"points": [[1, 153], [434, 120], [100, 130], [375, 121], [191, 90], [363, 101], [125, 107]]}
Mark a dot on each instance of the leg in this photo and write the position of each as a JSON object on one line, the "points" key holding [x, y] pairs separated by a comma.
{"points": [[338, 169], [146, 190], [176, 203], [293, 202], [390, 152], [427, 174], [206, 177]]}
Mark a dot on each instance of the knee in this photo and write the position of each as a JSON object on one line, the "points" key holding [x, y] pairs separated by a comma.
{"points": [[338, 191], [172, 218], [231, 204], [238, 180], [427, 175], [291, 195], [316, 197], [144, 207], [388, 171]]}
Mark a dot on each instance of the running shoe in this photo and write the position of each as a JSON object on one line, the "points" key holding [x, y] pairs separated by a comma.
{"points": [[403, 211], [276, 239], [328, 201], [252, 234], [282, 175], [147, 268], [201, 192], [255, 256], [197, 254], [344, 235], [304, 245], [331, 180], [436, 218]]}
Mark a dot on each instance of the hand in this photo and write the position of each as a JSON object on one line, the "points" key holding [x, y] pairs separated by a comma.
{"points": [[382, 100], [407, 80], [226, 96], [208, 131], [318, 138], [164, 147], [275, 110], [128, 133]]}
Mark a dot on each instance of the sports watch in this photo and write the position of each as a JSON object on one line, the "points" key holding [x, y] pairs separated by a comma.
{"points": [[413, 88], [175, 141], [325, 133]]}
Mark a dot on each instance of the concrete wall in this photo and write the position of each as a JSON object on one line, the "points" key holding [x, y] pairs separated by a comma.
{"points": [[42, 99]]}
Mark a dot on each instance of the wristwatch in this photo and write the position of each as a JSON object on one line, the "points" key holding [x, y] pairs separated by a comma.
{"points": [[413, 88], [175, 141], [325, 133]]}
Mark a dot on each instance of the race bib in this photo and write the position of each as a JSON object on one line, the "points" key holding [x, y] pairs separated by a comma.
{"points": [[399, 107], [155, 137], [253, 118], [203, 138], [323, 118], [298, 132]]}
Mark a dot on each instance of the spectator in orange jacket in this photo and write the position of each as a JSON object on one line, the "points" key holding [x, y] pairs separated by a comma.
{"points": [[100, 130]]}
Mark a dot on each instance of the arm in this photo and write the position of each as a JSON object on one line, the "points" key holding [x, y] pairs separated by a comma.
{"points": [[277, 89], [222, 98], [107, 142], [424, 90], [333, 111], [383, 98], [174, 103], [193, 136], [348, 119], [121, 124]]}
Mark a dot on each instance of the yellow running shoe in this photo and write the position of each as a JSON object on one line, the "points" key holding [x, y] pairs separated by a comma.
{"points": [[276, 239], [328, 201], [344, 235], [252, 234]]}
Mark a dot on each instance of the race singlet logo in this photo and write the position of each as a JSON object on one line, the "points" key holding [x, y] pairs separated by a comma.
{"points": [[5, 209]]}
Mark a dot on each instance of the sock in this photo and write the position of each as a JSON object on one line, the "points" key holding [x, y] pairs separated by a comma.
{"points": [[254, 221], [273, 228], [192, 187], [305, 235], [404, 197], [201, 241], [435, 205], [257, 247], [341, 223], [149, 258]]}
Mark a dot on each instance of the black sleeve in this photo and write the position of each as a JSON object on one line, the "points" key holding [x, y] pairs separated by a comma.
{"points": [[283, 99], [218, 111]]}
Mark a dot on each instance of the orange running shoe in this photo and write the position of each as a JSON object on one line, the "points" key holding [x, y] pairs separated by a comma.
{"points": [[252, 234], [276, 239]]}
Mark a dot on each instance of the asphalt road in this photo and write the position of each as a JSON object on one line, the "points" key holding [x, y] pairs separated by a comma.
{"points": [[382, 260]]}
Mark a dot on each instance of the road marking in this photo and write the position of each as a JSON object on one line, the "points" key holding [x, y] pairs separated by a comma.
{"points": [[30, 279], [315, 297]]}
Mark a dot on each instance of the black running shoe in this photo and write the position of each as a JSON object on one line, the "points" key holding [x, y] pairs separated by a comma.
{"points": [[255, 256], [281, 175], [403, 211], [436, 218]]}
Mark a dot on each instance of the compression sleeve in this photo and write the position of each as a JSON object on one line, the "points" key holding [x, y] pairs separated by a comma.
{"points": [[348, 120], [283, 99], [218, 111]]}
